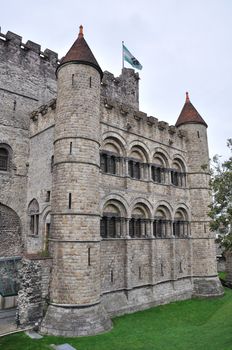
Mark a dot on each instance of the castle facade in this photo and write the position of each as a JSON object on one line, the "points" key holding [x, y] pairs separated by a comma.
{"points": [[103, 209]]}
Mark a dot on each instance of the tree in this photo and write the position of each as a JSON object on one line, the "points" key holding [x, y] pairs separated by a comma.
{"points": [[221, 207]]}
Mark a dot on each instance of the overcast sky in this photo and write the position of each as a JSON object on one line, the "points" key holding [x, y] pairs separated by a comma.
{"points": [[182, 45]]}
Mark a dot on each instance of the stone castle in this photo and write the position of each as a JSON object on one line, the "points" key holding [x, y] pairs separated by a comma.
{"points": [[103, 209]]}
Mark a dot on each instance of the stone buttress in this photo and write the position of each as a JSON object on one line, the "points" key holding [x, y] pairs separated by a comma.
{"points": [[75, 307]]}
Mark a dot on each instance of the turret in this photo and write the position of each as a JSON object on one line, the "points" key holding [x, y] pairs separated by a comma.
{"points": [[75, 307], [205, 278]]}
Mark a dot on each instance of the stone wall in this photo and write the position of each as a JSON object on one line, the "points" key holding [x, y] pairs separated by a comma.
{"points": [[40, 178], [10, 232], [27, 81], [138, 268], [123, 89], [33, 276]]}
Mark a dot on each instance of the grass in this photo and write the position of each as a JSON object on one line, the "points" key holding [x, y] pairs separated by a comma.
{"points": [[222, 275], [192, 324]]}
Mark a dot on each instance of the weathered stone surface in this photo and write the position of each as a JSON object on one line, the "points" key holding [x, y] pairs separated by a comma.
{"points": [[10, 232], [71, 322], [30, 305], [207, 287]]}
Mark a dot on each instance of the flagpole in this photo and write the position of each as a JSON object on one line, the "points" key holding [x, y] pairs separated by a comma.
{"points": [[122, 55]]}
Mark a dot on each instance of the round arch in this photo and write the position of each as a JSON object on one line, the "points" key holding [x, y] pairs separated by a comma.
{"points": [[117, 138], [166, 205], [179, 158], [181, 222], [143, 203], [117, 197], [160, 151], [140, 145]]}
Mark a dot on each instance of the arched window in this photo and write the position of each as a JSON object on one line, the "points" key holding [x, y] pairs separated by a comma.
{"points": [[113, 220], [178, 174], [111, 157], [134, 169], [162, 222], [4, 159], [33, 212], [159, 168], [137, 164], [181, 224], [139, 222]]}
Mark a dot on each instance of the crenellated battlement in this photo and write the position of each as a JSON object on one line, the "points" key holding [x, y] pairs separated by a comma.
{"points": [[123, 89], [119, 115], [11, 40], [123, 116]]}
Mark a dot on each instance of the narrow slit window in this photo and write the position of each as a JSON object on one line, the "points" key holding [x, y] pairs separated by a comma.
{"points": [[140, 272], [52, 163], [70, 148], [111, 276], [89, 257], [72, 79], [70, 200], [90, 82], [198, 134], [14, 107]]}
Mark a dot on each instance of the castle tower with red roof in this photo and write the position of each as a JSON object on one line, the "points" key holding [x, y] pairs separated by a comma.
{"points": [[75, 240], [203, 253]]}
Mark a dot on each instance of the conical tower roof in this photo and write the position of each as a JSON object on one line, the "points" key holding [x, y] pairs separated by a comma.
{"points": [[80, 53], [189, 114]]}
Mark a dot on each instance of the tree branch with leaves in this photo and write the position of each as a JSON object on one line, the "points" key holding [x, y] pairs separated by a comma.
{"points": [[221, 207]]}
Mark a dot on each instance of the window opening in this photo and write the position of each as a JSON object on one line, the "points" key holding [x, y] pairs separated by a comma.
{"points": [[140, 272], [111, 276], [89, 261], [70, 200], [48, 197], [4, 155]]}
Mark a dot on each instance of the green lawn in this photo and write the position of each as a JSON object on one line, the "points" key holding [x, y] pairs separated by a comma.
{"points": [[186, 325], [222, 275]]}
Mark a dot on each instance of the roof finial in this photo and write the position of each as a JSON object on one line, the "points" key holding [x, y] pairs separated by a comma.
{"points": [[187, 97], [81, 31]]}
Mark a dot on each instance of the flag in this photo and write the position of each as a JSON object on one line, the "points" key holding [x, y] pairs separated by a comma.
{"points": [[127, 56]]}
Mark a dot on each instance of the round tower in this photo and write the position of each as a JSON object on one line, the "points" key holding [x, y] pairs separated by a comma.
{"points": [[205, 279], [74, 307]]}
